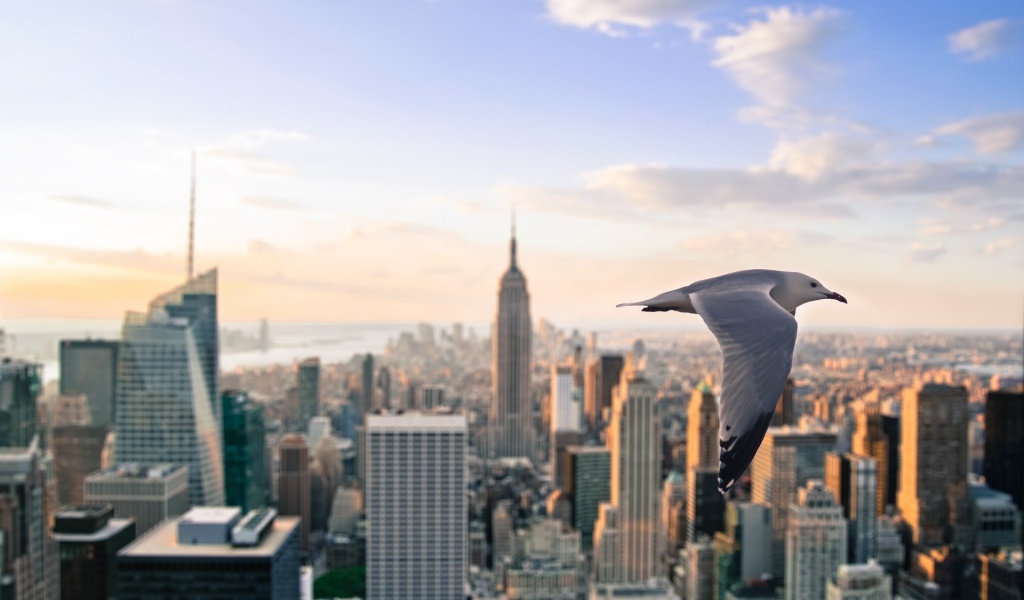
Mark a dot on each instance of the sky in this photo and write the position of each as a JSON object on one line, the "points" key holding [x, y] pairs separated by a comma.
{"points": [[358, 160]]}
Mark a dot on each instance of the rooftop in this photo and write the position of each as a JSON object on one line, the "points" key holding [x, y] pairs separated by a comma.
{"points": [[413, 421], [138, 471], [112, 527], [162, 542], [212, 515]]}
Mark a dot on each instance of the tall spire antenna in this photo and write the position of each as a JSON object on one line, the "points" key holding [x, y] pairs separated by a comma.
{"points": [[512, 242], [192, 220]]}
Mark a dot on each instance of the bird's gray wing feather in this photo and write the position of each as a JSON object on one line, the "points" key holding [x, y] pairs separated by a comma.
{"points": [[757, 337]]}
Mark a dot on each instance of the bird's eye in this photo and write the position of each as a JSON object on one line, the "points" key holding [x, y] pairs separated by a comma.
{"points": [[814, 284]]}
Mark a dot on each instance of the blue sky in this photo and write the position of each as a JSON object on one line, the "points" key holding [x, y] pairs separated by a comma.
{"points": [[357, 159]]}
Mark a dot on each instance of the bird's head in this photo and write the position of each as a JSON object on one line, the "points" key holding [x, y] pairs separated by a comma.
{"points": [[798, 289]]}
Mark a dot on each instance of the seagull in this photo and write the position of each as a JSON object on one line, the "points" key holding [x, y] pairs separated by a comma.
{"points": [[751, 313]]}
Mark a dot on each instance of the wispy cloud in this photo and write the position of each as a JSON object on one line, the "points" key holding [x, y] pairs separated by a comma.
{"points": [[668, 193], [999, 246], [85, 201], [924, 253], [611, 16], [990, 134], [270, 202], [986, 40], [753, 242], [938, 227], [778, 57], [248, 150]]}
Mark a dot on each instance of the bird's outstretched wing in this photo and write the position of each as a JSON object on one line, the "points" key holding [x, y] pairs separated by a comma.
{"points": [[757, 338]]}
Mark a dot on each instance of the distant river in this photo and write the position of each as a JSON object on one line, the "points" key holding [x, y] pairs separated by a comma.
{"points": [[331, 342]]}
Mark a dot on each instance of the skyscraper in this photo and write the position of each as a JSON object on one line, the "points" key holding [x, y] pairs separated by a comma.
{"points": [[609, 561], [90, 367], [634, 438], [29, 568], [416, 506], [384, 385], [854, 481], [566, 419], [702, 429], [788, 457], [815, 542], [878, 435], [367, 385], [164, 411], [784, 411], [933, 473], [705, 505], [309, 389], [609, 371], [743, 549], [245, 450], [511, 415], [20, 384], [1004, 443], [196, 302], [293, 485], [588, 483]]}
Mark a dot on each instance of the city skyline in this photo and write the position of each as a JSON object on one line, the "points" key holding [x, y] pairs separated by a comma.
{"points": [[363, 161]]}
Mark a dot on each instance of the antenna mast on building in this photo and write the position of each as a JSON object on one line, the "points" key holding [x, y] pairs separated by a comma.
{"points": [[192, 221]]}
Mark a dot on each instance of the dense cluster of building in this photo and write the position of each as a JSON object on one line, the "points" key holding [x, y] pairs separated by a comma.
{"points": [[528, 464]]}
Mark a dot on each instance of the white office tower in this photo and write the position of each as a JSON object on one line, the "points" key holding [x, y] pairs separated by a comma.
{"points": [[815, 542], [609, 565], [416, 506], [860, 582], [317, 429], [634, 437], [566, 409]]}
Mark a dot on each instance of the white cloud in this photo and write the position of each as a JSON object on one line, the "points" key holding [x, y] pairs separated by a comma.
{"points": [[777, 58], [925, 253], [812, 157], [752, 242], [990, 134], [657, 192], [605, 15], [985, 40]]}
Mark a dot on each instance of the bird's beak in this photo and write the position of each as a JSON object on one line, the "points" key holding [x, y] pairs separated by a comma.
{"points": [[835, 296]]}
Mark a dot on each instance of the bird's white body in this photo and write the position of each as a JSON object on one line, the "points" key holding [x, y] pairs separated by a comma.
{"points": [[751, 314]]}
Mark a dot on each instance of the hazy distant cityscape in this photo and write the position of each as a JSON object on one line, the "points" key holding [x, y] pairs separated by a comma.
{"points": [[514, 460]]}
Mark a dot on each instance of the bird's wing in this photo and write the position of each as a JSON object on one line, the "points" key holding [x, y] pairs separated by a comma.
{"points": [[757, 338]]}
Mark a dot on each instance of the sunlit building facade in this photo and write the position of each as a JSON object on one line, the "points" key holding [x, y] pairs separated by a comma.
{"points": [[511, 416]]}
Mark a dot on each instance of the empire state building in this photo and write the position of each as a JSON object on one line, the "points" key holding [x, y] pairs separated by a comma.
{"points": [[511, 416]]}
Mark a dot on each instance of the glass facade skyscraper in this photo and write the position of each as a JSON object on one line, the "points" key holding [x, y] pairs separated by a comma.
{"points": [[245, 450], [164, 413], [20, 384], [196, 301]]}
